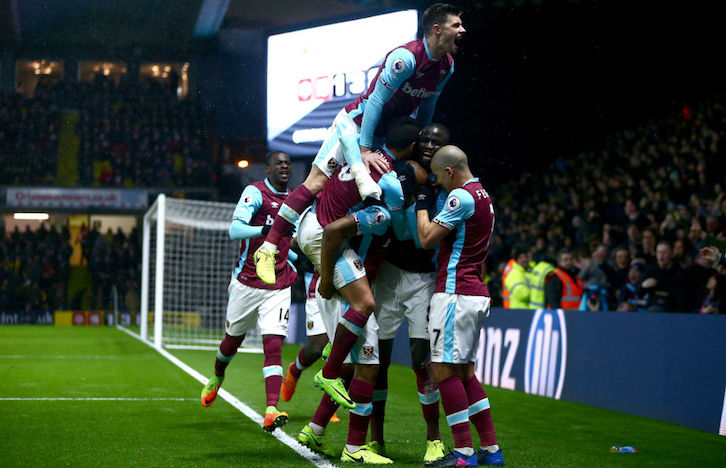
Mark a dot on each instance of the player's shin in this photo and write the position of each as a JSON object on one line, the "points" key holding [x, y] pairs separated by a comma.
{"points": [[347, 332], [456, 407]]}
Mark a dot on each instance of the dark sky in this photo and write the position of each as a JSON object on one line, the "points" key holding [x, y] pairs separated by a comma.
{"points": [[535, 82]]}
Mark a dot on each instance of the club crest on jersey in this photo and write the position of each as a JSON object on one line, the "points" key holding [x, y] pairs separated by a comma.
{"points": [[367, 350], [454, 203], [399, 66], [379, 218], [358, 264], [332, 164], [310, 325]]}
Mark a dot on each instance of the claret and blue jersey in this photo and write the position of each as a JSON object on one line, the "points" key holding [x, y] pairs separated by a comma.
{"points": [[408, 79], [469, 214], [257, 206]]}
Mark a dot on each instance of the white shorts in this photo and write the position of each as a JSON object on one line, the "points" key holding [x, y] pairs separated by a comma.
{"points": [[365, 350], [454, 324], [247, 307], [400, 293], [330, 155], [348, 267], [313, 320]]}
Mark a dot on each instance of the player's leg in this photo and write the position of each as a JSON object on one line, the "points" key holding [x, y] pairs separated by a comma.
{"points": [[307, 356], [313, 434], [380, 395], [295, 203], [446, 367], [366, 359], [480, 415], [225, 353], [360, 298], [389, 315], [242, 307], [329, 158], [273, 322]]}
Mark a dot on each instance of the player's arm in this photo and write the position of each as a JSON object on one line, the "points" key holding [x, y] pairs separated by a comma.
{"points": [[372, 220], [459, 206], [399, 67], [393, 197], [249, 202], [425, 113]]}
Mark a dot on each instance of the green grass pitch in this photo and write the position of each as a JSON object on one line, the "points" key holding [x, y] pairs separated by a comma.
{"points": [[162, 423]]}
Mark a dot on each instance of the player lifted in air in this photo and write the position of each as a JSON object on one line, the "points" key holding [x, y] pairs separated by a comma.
{"points": [[252, 301], [410, 79]]}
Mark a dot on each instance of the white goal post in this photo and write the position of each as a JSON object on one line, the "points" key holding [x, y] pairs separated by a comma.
{"points": [[187, 263]]}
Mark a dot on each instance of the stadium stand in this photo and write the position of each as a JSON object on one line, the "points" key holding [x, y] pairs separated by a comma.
{"points": [[666, 177]]}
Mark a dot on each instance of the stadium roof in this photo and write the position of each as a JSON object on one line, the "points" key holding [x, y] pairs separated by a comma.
{"points": [[29, 24]]}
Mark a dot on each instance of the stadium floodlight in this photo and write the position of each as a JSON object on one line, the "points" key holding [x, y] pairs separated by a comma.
{"points": [[187, 262], [36, 216]]}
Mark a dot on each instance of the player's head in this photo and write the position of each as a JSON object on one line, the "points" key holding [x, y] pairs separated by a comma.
{"points": [[430, 140], [277, 167], [443, 22], [401, 136], [450, 165]]}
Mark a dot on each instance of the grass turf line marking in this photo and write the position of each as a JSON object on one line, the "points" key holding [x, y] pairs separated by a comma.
{"points": [[94, 399], [303, 451]]}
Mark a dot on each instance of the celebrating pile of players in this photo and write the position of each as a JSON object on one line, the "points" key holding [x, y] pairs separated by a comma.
{"points": [[396, 226]]}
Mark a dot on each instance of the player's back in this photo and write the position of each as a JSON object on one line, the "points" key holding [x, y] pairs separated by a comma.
{"points": [[340, 195], [463, 251], [422, 84]]}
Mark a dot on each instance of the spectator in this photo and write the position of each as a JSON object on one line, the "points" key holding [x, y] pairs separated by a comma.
{"points": [[563, 288], [663, 282]]}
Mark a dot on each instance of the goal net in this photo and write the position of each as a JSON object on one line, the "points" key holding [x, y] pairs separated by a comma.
{"points": [[187, 263]]}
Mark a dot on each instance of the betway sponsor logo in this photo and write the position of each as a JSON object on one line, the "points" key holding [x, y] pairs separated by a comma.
{"points": [[422, 93]]}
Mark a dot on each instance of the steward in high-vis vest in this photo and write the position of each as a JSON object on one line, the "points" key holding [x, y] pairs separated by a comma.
{"points": [[539, 274], [505, 293], [517, 288], [563, 288]]}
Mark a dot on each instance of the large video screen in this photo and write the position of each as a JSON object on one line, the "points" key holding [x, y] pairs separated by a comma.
{"points": [[315, 72]]}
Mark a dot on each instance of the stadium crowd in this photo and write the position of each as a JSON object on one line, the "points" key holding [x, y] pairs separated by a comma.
{"points": [[656, 187], [129, 135], [35, 270]]}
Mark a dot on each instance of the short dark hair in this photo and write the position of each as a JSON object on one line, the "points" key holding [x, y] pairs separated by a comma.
{"points": [[519, 249], [401, 132], [268, 158], [437, 13]]}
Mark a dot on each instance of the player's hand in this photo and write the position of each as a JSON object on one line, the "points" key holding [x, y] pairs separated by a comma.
{"points": [[326, 288], [375, 160], [425, 199]]}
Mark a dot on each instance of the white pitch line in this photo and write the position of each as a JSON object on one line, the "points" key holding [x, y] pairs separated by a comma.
{"points": [[303, 451], [95, 399]]}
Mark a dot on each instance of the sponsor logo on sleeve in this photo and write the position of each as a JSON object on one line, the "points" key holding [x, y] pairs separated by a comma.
{"points": [[247, 200], [454, 203]]}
